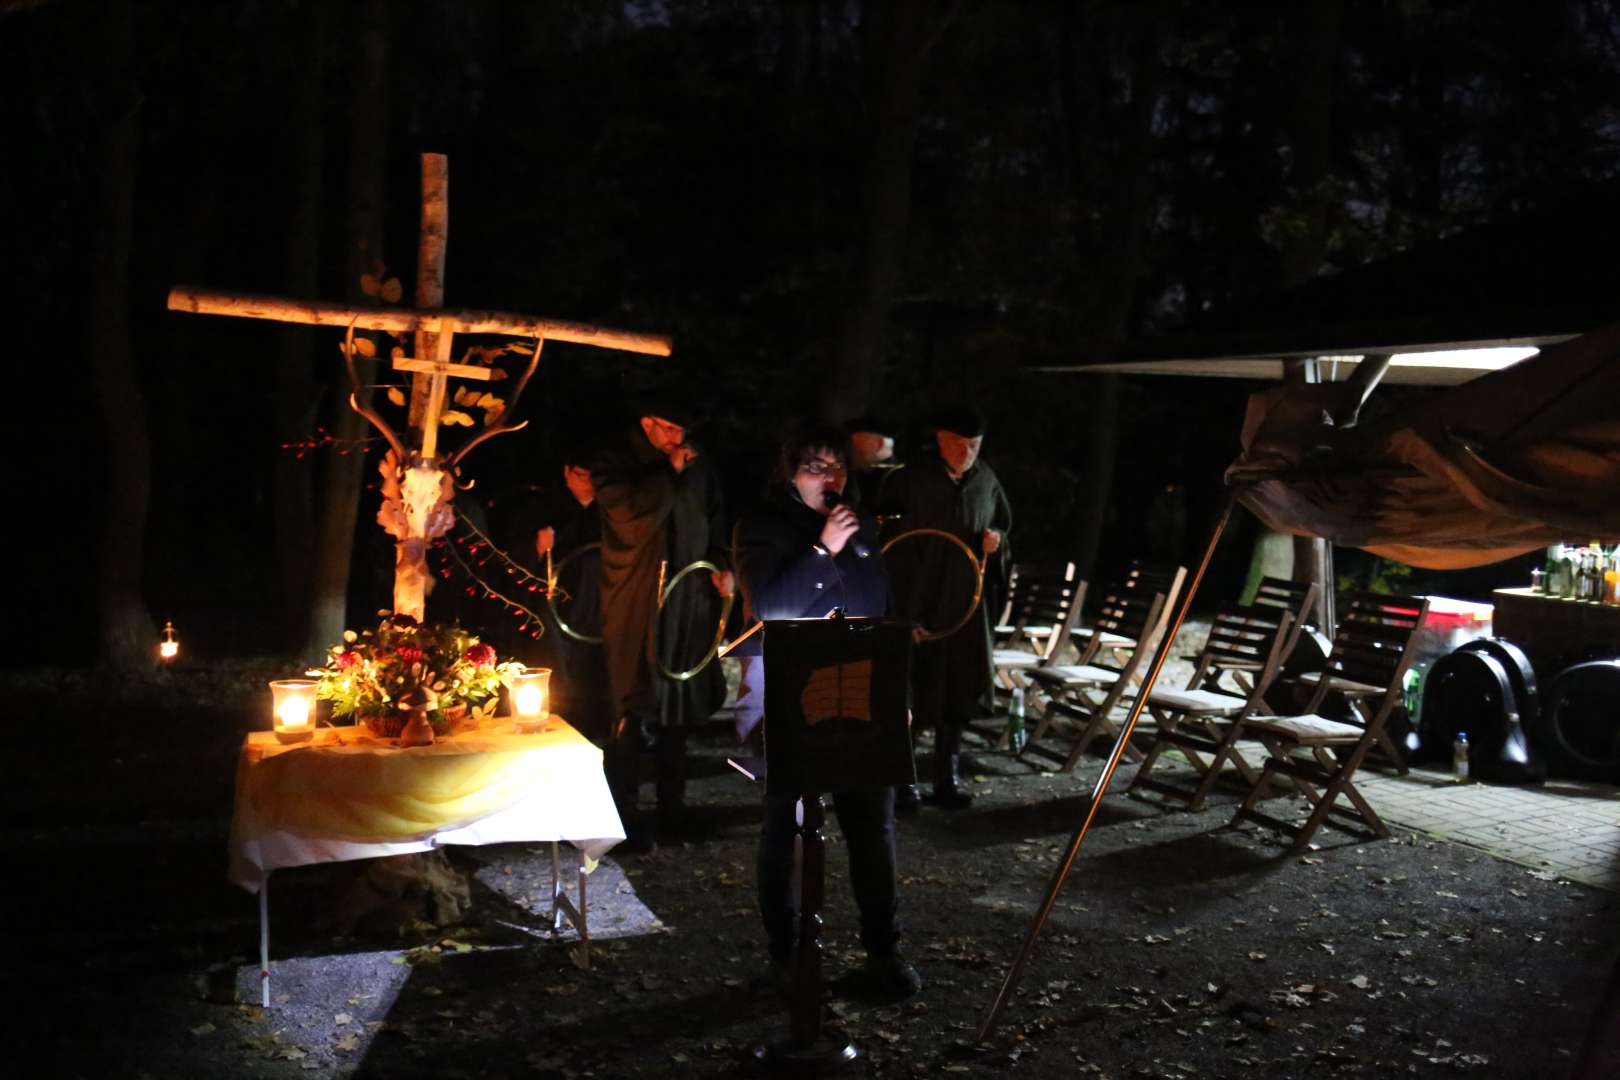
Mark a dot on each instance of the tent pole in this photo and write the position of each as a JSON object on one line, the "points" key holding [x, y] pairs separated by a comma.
{"points": [[1159, 656]]}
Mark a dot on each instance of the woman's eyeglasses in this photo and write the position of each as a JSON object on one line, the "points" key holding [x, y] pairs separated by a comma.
{"points": [[822, 468]]}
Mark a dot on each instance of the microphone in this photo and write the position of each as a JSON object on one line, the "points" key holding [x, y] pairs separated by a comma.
{"points": [[831, 499]]}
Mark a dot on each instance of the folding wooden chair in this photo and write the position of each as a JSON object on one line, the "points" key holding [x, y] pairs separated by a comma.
{"points": [[1137, 576], [1127, 624], [1042, 610], [1043, 606], [1371, 653], [1247, 645]]}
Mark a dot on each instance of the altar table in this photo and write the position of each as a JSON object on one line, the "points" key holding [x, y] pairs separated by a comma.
{"points": [[346, 796]]}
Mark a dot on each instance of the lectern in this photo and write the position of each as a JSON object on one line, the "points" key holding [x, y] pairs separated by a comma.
{"points": [[835, 718]]}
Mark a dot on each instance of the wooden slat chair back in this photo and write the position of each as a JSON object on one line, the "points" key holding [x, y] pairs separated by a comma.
{"points": [[1124, 628], [1037, 623], [1246, 644], [1371, 653], [1138, 576], [1037, 616]]}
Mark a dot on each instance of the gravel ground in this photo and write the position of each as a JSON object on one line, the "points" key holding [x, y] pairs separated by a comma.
{"points": [[1179, 948]]}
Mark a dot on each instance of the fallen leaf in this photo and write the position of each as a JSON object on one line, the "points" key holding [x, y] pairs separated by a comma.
{"points": [[202, 1029], [342, 1018]]}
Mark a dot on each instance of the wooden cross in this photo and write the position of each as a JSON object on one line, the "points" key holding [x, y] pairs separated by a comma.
{"points": [[417, 485]]}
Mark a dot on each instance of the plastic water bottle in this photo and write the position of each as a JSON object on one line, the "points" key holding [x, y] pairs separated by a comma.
{"points": [[1459, 758], [1015, 721]]}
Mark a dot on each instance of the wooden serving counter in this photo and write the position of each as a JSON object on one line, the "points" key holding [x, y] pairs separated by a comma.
{"points": [[1555, 632]]}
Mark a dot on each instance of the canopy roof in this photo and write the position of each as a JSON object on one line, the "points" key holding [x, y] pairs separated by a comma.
{"points": [[1532, 282]]}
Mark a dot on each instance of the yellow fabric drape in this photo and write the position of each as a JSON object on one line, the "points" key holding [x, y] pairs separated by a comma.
{"points": [[372, 793]]}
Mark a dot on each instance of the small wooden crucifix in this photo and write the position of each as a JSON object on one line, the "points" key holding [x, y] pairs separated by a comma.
{"points": [[418, 483]]}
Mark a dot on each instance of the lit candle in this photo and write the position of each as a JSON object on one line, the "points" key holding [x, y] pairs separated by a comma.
{"points": [[529, 692], [293, 708], [169, 646]]}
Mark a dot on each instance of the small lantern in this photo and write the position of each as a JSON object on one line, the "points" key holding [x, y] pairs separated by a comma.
{"points": [[531, 692], [169, 644], [293, 709]]}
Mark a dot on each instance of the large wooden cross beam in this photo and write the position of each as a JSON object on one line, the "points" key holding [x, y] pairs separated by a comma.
{"points": [[436, 327], [417, 480]]}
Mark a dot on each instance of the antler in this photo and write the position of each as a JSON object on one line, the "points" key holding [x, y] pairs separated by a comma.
{"points": [[511, 408], [366, 410]]}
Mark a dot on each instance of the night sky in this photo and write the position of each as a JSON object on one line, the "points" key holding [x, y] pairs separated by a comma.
{"points": [[1076, 177]]}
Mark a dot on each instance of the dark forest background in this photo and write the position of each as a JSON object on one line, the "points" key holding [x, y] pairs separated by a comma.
{"points": [[842, 207]]}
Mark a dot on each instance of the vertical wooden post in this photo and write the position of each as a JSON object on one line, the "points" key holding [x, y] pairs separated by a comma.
{"points": [[433, 239], [1313, 556]]}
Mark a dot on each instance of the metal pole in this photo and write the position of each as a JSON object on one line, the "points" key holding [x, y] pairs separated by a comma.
{"points": [[264, 939], [1160, 655]]}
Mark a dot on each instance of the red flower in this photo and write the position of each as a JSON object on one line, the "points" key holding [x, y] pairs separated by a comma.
{"points": [[481, 656], [408, 654], [346, 659]]}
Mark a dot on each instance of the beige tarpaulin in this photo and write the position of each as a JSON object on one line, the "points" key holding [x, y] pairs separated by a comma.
{"points": [[1507, 463]]}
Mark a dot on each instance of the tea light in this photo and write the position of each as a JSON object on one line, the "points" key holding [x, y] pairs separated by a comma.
{"points": [[169, 646], [293, 709], [530, 689]]}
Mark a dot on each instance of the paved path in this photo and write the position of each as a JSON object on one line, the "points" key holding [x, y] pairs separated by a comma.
{"points": [[1564, 826]]}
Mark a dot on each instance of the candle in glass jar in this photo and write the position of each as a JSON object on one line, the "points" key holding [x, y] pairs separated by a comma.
{"points": [[293, 708], [529, 693]]}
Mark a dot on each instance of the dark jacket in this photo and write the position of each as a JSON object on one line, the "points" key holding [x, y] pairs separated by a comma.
{"points": [[786, 574], [650, 515], [933, 579]]}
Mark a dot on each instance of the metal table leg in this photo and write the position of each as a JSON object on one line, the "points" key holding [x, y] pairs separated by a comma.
{"points": [[564, 910], [264, 939]]}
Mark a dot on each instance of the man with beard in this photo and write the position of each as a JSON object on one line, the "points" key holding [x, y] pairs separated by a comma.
{"points": [[950, 489], [660, 503]]}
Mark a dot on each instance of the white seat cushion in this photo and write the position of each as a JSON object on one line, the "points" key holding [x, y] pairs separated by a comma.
{"points": [[1009, 658], [1076, 675], [1109, 639], [1196, 701], [1305, 728], [1341, 684]]}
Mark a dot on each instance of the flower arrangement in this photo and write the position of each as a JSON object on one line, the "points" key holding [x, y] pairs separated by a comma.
{"points": [[376, 676]]}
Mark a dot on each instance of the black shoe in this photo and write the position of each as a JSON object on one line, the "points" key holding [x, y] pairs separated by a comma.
{"points": [[948, 791], [635, 731], [889, 978], [906, 798]]}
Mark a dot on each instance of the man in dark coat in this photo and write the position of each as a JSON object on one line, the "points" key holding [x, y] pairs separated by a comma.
{"points": [[660, 505], [948, 489], [800, 558], [565, 523]]}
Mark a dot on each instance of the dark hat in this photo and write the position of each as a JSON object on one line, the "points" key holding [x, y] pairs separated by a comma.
{"points": [[960, 419], [664, 407], [877, 425]]}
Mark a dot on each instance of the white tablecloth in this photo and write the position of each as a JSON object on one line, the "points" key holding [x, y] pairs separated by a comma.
{"points": [[569, 800]]}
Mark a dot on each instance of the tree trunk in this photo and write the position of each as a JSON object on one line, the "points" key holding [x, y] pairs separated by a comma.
{"points": [[1310, 122], [340, 501], [896, 38], [128, 636], [1124, 251], [302, 149]]}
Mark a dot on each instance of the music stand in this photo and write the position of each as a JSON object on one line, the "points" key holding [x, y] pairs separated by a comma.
{"points": [[835, 718]]}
